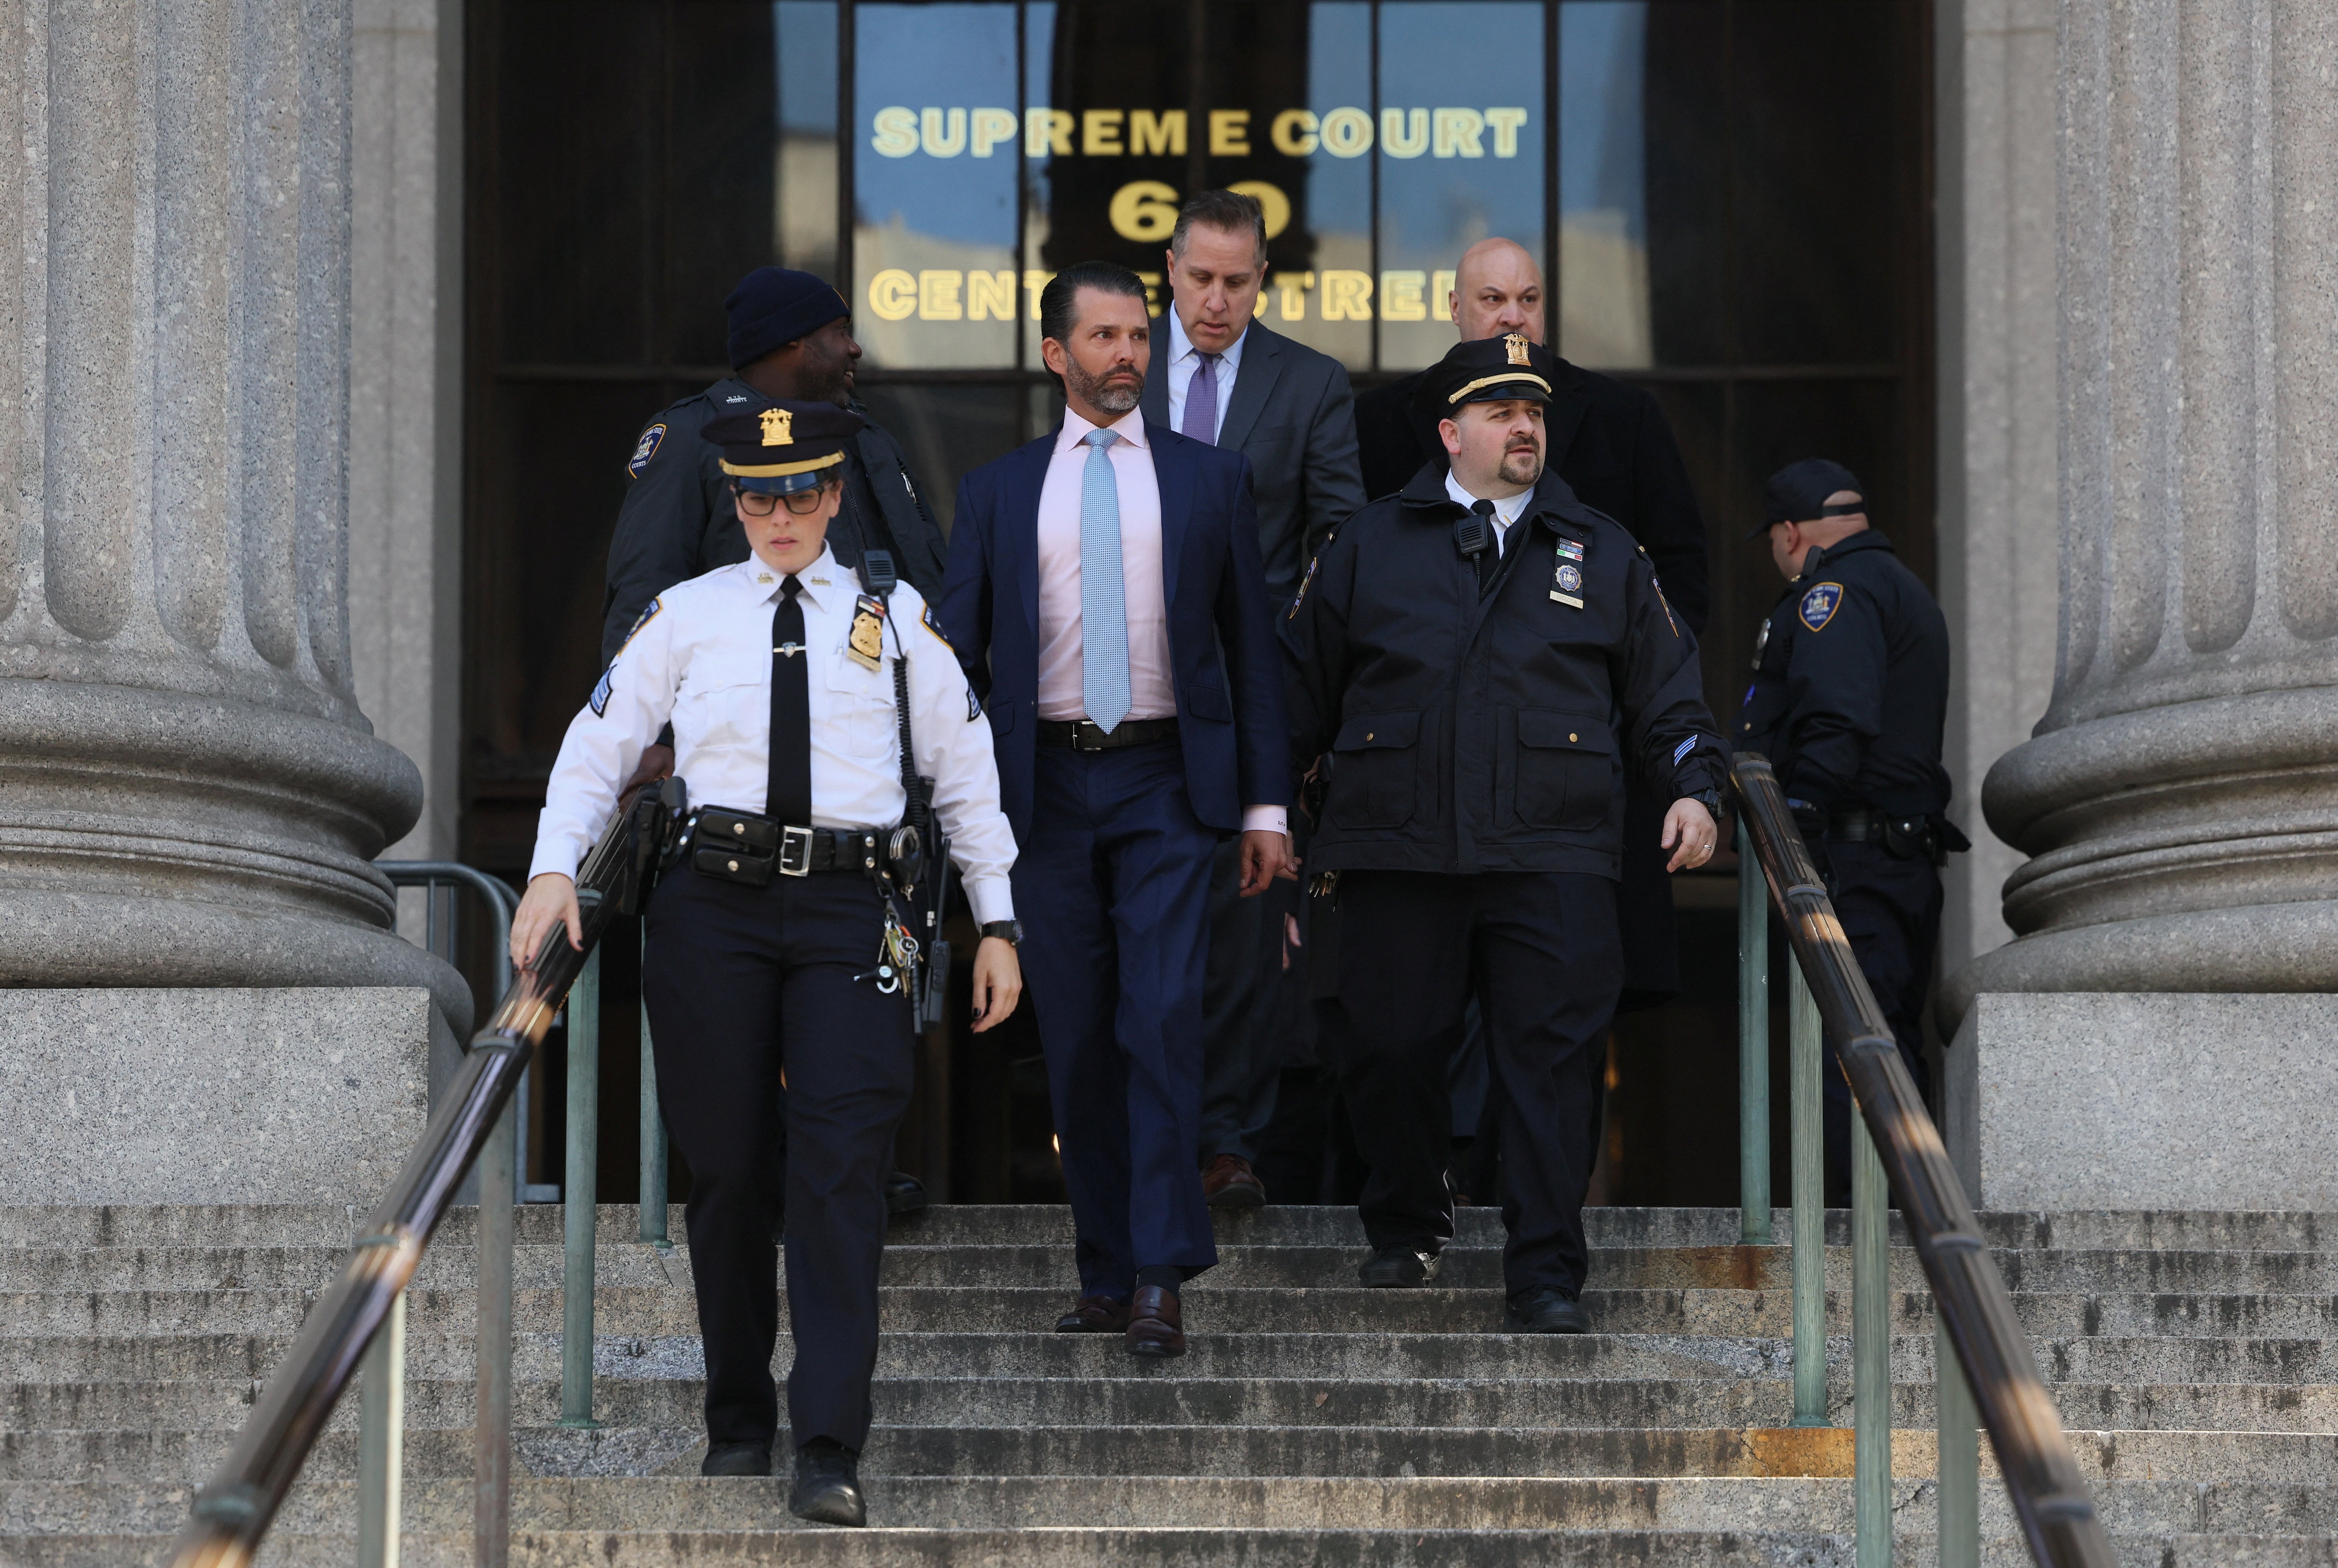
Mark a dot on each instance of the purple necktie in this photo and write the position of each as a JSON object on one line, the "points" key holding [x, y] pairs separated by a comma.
{"points": [[1202, 402]]}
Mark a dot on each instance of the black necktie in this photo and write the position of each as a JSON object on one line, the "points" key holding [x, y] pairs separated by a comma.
{"points": [[788, 798], [1484, 509]]}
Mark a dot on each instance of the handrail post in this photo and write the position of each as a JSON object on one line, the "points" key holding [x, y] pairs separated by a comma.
{"points": [[1959, 1477], [1753, 1045], [491, 1513], [382, 1442], [578, 1197], [653, 1156], [1809, 1131], [1871, 1349]]}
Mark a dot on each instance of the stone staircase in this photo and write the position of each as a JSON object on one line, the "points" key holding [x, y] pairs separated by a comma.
{"points": [[1313, 1422]]}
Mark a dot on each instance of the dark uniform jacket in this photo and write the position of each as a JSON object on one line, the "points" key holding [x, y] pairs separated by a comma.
{"points": [[1489, 733], [1851, 684], [1606, 438], [677, 521]]}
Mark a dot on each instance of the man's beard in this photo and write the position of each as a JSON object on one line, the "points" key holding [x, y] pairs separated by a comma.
{"points": [[1523, 467], [1098, 391]]}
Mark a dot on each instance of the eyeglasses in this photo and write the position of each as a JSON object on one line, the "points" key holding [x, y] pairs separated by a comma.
{"points": [[763, 502]]}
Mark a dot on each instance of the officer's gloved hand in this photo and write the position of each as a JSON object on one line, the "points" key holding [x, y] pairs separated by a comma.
{"points": [[1811, 822]]}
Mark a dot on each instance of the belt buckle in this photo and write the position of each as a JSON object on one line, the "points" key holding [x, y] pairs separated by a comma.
{"points": [[795, 851], [1081, 729]]}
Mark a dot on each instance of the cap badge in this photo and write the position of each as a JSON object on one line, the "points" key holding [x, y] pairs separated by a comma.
{"points": [[777, 428], [1516, 344]]}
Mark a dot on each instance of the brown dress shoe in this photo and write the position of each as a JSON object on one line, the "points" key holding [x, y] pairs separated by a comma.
{"points": [[1155, 1326], [1231, 1183], [1094, 1315]]}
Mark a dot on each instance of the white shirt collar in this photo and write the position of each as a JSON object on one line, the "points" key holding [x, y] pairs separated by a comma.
{"points": [[820, 580], [1129, 427], [1507, 510], [1180, 350]]}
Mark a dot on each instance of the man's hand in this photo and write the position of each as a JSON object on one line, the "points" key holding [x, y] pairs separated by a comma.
{"points": [[1689, 825], [550, 900], [656, 763], [1265, 856], [998, 982]]}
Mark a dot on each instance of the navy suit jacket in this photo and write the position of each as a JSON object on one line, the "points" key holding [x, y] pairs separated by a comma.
{"points": [[1224, 661]]}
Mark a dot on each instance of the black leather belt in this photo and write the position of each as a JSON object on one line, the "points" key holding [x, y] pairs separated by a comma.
{"points": [[1855, 827], [1903, 838], [737, 847], [1082, 735]]}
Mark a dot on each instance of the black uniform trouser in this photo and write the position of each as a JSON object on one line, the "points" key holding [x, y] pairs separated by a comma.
{"points": [[1541, 952], [1242, 1055], [744, 983], [1891, 911]]}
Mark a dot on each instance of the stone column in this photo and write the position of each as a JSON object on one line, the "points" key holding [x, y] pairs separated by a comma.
{"points": [[2179, 800], [188, 796]]}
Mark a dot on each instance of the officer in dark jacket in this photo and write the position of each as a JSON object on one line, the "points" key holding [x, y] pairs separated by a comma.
{"points": [[1484, 658], [792, 339], [1850, 694]]}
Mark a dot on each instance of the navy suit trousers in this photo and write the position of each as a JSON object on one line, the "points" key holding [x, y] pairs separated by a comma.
{"points": [[1113, 886], [742, 983]]}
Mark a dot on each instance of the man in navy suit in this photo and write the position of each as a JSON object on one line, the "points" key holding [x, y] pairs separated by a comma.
{"points": [[1106, 595]]}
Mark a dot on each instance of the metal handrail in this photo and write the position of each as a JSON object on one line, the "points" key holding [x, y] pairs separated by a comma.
{"points": [[232, 1513], [1974, 1310]]}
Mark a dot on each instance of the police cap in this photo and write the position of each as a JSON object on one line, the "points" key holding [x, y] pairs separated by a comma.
{"points": [[784, 447], [1487, 370], [1799, 492]]}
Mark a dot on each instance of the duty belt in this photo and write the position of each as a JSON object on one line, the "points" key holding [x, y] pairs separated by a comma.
{"points": [[1905, 837], [1082, 735], [738, 847]]}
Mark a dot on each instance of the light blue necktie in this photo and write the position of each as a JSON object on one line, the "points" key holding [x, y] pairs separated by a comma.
{"points": [[1103, 607]]}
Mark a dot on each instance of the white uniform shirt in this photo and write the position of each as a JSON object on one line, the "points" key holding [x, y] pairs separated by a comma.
{"points": [[1506, 510], [703, 659], [1184, 359]]}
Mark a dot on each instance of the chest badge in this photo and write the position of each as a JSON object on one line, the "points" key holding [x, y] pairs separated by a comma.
{"points": [[1819, 605], [1566, 584], [866, 643]]}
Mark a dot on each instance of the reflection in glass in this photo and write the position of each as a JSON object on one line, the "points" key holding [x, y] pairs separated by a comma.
{"points": [[1460, 145], [934, 174], [1603, 225], [803, 170], [1338, 187]]}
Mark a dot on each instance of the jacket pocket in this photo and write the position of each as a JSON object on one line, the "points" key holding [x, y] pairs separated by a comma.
{"points": [[1375, 763], [1565, 769], [1208, 702]]}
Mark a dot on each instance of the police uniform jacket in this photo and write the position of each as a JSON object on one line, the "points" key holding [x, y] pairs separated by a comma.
{"points": [[701, 657], [677, 521], [1850, 689], [1489, 733]]}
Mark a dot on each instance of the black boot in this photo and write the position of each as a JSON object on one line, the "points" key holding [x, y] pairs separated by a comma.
{"points": [[828, 1484]]}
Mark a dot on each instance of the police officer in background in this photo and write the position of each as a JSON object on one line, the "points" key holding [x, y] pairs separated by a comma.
{"points": [[767, 944], [1484, 657], [791, 339], [1850, 694]]}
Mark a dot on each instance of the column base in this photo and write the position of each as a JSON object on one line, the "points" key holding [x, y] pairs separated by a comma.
{"points": [[231, 1094], [2146, 1099]]}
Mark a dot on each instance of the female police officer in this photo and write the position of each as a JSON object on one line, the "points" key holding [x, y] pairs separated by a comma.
{"points": [[765, 943]]}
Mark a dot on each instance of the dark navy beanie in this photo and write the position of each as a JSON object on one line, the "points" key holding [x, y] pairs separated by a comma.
{"points": [[773, 306]]}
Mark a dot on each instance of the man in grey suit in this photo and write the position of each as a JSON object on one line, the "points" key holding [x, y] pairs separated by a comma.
{"points": [[1221, 376]]}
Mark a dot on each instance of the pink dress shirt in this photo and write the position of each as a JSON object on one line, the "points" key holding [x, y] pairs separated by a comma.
{"points": [[1153, 694], [1152, 689]]}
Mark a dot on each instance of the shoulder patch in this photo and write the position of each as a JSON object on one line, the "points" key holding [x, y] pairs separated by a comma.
{"points": [[649, 614], [926, 619], [646, 448], [1820, 605], [601, 691], [1666, 603], [1306, 579]]}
